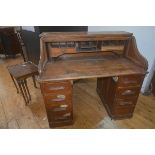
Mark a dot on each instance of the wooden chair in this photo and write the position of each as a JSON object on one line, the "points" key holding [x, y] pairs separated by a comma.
{"points": [[19, 74]]}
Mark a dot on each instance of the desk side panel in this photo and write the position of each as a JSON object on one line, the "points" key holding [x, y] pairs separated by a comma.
{"points": [[134, 55]]}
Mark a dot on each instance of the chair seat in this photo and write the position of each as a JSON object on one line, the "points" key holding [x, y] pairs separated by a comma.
{"points": [[22, 71], [19, 73]]}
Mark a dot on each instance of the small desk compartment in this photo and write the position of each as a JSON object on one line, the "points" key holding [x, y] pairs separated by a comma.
{"points": [[57, 49]]}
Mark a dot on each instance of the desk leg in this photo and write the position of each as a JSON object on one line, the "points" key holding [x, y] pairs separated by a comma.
{"points": [[34, 81], [14, 83]]}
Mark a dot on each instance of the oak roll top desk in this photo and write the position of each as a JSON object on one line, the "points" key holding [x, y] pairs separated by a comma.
{"points": [[111, 57]]}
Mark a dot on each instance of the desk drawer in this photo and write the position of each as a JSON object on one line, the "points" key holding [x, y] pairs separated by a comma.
{"points": [[130, 80], [61, 122], [123, 112], [56, 87], [60, 101], [130, 92], [57, 105], [55, 116], [59, 111], [60, 118], [125, 103], [57, 97]]}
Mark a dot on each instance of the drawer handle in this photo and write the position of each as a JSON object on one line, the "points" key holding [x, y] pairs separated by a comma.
{"points": [[67, 114], [127, 81], [125, 103], [128, 92], [115, 78], [62, 118], [56, 88], [59, 98], [59, 109], [63, 106]]}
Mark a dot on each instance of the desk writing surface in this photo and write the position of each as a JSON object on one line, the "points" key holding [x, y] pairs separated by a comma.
{"points": [[99, 66]]}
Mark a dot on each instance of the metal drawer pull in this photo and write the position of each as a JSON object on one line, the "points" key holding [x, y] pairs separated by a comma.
{"points": [[125, 103], [128, 92], [127, 81], [56, 88], [59, 109], [67, 114], [63, 118], [63, 106], [115, 78], [59, 98], [60, 118]]}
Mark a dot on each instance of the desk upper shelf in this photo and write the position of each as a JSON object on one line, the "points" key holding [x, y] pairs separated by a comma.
{"points": [[85, 55]]}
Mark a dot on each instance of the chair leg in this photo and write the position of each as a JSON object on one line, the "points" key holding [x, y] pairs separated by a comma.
{"points": [[14, 83], [27, 90], [34, 81], [20, 83]]}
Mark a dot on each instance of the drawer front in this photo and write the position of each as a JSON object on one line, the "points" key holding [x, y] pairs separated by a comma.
{"points": [[59, 116], [53, 100], [130, 80], [58, 105], [63, 122], [125, 103], [56, 87], [59, 111], [123, 112], [124, 93]]}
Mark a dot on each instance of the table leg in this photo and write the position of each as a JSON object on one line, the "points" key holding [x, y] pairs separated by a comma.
{"points": [[34, 81], [14, 83], [20, 83], [27, 90]]}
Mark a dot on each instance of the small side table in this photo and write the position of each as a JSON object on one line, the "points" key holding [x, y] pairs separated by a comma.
{"points": [[19, 73]]}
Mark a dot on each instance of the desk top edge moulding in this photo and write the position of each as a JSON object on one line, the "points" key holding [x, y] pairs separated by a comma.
{"points": [[111, 57]]}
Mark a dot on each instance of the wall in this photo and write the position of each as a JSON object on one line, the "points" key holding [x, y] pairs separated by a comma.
{"points": [[145, 37], [28, 28]]}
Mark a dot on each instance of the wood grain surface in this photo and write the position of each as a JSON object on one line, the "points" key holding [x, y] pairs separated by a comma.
{"points": [[88, 109]]}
